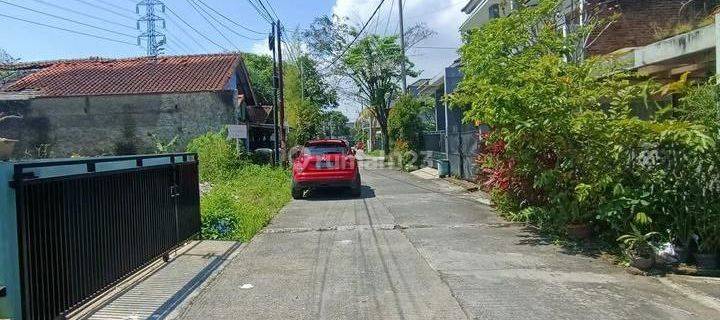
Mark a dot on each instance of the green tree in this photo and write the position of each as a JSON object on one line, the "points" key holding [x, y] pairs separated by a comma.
{"points": [[260, 68], [315, 87], [335, 124], [6, 58], [307, 93], [373, 62], [374, 65], [308, 125], [302, 116]]}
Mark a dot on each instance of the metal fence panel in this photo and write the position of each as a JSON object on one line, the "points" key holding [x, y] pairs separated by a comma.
{"points": [[81, 234], [433, 141]]}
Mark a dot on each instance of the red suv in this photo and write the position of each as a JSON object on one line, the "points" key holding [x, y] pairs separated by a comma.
{"points": [[325, 163]]}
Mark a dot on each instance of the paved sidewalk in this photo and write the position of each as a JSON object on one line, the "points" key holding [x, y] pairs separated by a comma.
{"points": [[416, 248], [162, 291]]}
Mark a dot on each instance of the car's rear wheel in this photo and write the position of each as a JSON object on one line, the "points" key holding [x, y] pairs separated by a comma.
{"points": [[297, 192]]}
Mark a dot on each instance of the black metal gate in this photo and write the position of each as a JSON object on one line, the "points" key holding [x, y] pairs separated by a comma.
{"points": [[80, 234]]}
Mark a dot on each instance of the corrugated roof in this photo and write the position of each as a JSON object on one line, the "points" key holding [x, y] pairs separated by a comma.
{"points": [[94, 77]]}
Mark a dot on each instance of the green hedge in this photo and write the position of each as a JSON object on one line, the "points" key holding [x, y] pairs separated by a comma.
{"points": [[567, 144]]}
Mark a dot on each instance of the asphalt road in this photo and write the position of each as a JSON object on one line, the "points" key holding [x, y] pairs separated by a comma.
{"points": [[421, 249]]}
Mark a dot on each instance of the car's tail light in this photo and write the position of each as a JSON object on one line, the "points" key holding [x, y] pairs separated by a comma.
{"points": [[299, 165]]}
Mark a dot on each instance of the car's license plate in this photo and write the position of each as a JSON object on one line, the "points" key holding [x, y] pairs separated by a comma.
{"points": [[325, 165]]}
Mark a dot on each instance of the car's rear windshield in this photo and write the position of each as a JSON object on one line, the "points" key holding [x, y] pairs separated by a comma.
{"points": [[325, 148]]}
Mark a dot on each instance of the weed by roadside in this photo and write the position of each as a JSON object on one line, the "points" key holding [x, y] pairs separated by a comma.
{"points": [[375, 153], [239, 207], [243, 197]]}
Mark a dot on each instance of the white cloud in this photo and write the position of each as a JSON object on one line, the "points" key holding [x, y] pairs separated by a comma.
{"points": [[261, 48]]}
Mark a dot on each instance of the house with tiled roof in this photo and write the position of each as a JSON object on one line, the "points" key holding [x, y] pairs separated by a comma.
{"points": [[123, 106]]}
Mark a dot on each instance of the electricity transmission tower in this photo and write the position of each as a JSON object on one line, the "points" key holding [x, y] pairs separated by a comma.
{"points": [[154, 39]]}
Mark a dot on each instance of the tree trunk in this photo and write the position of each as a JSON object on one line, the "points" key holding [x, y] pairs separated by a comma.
{"points": [[386, 140]]}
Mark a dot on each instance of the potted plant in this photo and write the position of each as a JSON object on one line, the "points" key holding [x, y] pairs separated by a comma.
{"points": [[7, 145], [639, 248], [579, 230], [708, 247]]}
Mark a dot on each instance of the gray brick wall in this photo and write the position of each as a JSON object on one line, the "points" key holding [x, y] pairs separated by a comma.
{"points": [[113, 125]]}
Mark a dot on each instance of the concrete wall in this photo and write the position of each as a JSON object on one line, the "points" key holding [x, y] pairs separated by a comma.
{"points": [[114, 125], [641, 21]]}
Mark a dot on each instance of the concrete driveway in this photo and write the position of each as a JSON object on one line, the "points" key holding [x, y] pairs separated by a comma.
{"points": [[415, 248]]}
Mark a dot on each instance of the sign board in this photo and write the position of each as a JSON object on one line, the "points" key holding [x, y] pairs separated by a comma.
{"points": [[237, 131]]}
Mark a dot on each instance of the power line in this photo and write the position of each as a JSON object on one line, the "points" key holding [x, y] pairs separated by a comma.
{"points": [[94, 5], [290, 50], [356, 37], [185, 32], [66, 19], [387, 24], [196, 30], [266, 10], [195, 6], [272, 9], [171, 47], [67, 30], [115, 6], [174, 39], [377, 22], [260, 12], [84, 14], [223, 25], [228, 19]]}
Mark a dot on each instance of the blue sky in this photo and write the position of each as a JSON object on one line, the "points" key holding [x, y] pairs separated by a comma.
{"points": [[31, 42]]}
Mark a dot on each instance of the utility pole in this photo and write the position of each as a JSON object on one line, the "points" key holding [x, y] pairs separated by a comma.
{"points": [[281, 102], [154, 39], [276, 131], [402, 46]]}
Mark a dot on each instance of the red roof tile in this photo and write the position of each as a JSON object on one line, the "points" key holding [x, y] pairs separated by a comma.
{"points": [[93, 77]]}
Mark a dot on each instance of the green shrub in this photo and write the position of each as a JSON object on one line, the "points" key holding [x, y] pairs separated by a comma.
{"points": [[566, 145], [405, 157], [405, 124], [219, 159], [375, 153]]}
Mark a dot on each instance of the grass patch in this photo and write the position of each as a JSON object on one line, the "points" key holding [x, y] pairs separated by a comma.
{"points": [[243, 197], [237, 208]]}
